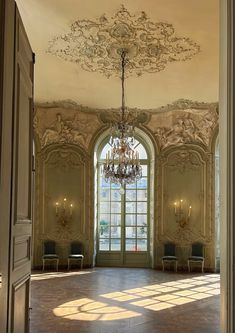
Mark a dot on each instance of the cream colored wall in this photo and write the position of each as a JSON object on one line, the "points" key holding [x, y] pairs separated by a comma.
{"points": [[182, 134]]}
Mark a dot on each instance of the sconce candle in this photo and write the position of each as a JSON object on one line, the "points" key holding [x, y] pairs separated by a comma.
{"points": [[56, 207], [65, 202], [175, 204], [189, 211], [181, 201], [71, 209]]}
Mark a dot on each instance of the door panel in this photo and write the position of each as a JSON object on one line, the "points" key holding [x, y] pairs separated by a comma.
{"points": [[21, 208]]}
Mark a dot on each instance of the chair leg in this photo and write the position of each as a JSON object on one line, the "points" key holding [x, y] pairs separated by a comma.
{"points": [[68, 264], [43, 264], [188, 266], [57, 264], [81, 263], [202, 266], [176, 265], [163, 265]]}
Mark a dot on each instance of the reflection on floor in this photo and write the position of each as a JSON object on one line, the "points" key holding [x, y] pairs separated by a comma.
{"points": [[121, 300]]}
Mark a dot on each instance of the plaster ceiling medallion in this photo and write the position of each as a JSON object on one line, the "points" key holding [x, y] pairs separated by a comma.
{"points": [[96, 45]]}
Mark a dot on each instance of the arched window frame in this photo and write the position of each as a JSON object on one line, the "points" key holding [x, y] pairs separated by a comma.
{"points": [[126, 241]]}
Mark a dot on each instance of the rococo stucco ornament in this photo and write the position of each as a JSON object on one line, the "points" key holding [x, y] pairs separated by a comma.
{"points": [[60, 127], [184, 127], [96, 45]]}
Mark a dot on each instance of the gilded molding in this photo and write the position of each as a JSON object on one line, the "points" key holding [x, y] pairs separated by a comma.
{"points": [[96, 45]]}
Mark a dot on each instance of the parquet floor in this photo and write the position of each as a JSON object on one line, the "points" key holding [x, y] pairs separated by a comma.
{"points": [[122, 300]]}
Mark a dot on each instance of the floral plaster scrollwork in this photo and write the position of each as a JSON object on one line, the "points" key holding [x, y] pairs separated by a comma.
{"points": [[59, 127], [96, 45], [65, 160], [184, 160], [135, 117]]}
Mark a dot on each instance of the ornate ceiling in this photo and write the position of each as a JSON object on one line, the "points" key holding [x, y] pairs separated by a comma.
{"points": [[172, 50]]}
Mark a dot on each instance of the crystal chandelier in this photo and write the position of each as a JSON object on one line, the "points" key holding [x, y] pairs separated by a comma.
{"points": [[122, 165]]}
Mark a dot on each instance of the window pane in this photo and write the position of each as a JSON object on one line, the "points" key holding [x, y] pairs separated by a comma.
{"points": [[144, 170], [104, 219], [142, 183], [131, 185], [131, 195], [142, 152], [142, 195], [130, 245], [141, 232], [106, 148], [104, 244], [115, 244], [115, 185], [130, 219], [115, 219], [103, 183], [141, 244], [115, 207], [142, 207], [104, 207], [131, 207], [115, 232], [104, 194], [131, 232], [142, 220], [115, 195], [104, 231]]}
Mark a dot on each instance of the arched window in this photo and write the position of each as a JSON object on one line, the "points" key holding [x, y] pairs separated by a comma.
{"points": [[123, 219]]}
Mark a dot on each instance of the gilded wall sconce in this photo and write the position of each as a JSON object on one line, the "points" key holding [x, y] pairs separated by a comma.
{"points": [[182, 212], [64, 212]]}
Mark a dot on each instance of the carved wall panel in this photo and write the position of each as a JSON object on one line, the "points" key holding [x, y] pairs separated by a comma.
{"points": [[62, 172], [60, 125], [185, 175]]}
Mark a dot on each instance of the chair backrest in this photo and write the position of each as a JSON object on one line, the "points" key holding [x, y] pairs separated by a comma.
{"points": [[49, 247], [197, 249], [169, 249], [76, 248]]}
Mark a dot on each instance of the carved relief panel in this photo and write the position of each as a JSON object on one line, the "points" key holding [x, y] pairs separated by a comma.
{"points": [[184, 122], [58, 125], [185, 187], [62, 173]]}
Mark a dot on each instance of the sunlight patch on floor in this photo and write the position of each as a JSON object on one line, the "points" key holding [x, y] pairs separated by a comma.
{"points": [[155, 297], [53, 275]]}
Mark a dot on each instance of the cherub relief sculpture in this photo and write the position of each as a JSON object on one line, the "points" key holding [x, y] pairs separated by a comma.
{"points": [[75, 130], [186, 128]]}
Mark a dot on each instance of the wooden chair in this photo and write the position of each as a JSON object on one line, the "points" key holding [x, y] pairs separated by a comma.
{"points": [[169, 255], [76, 254], [197, 255], [49, 253]]}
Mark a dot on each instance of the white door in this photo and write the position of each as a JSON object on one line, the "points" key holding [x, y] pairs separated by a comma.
{"points": [[16, 172]]}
